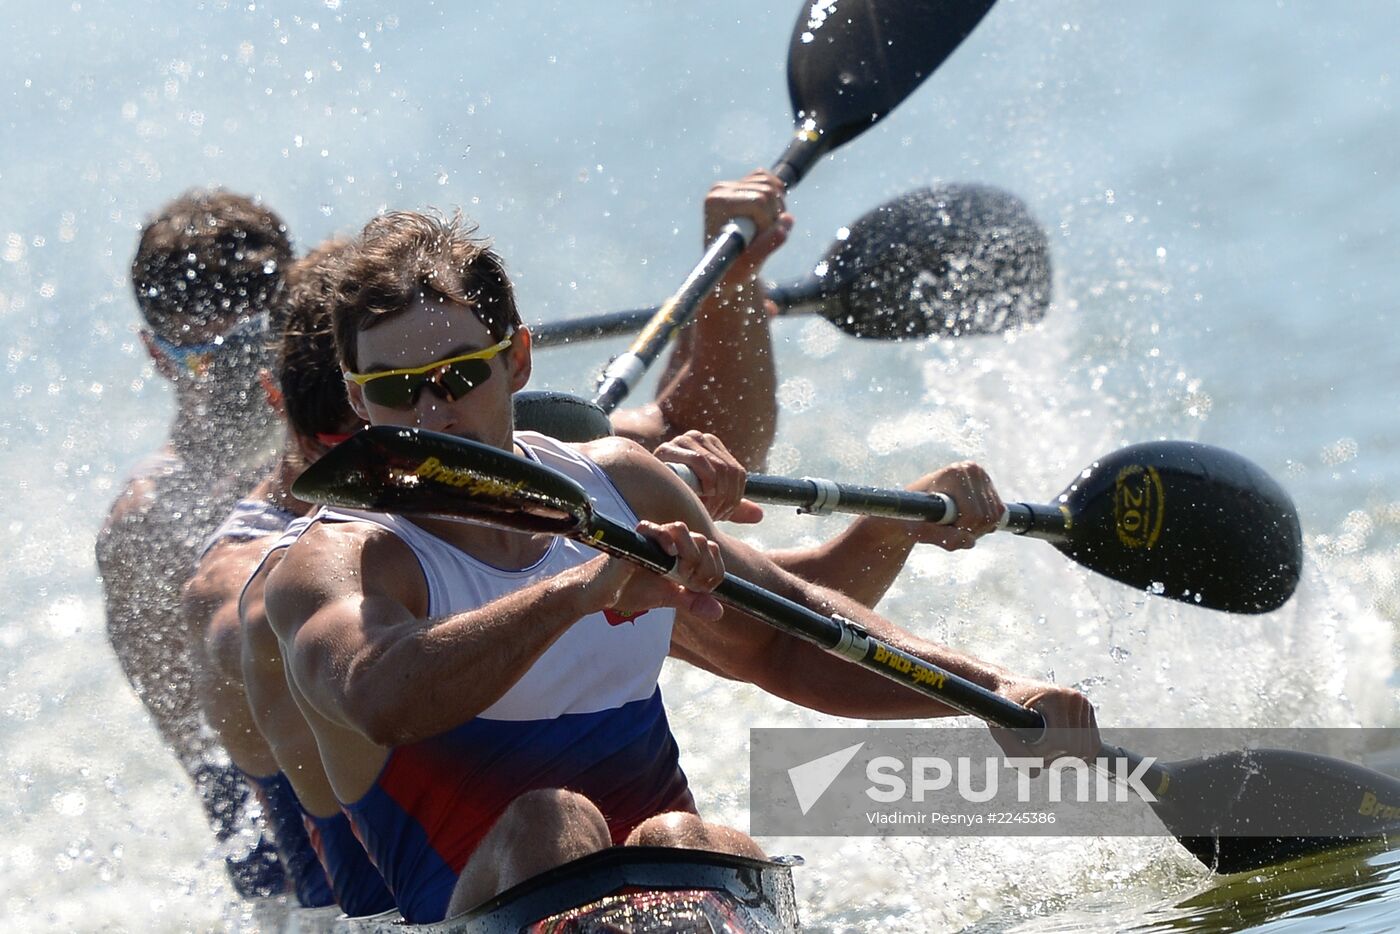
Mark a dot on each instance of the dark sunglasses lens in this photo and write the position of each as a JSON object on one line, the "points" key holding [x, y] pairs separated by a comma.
{"points": [[401, 390], [394, 392], [463, 376]]}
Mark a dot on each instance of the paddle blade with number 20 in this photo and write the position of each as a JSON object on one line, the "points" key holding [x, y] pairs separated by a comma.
{"points": [[1189, 521]]}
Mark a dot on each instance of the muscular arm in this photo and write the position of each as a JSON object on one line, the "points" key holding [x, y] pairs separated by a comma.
{"points": [[209, 605], [349, 602], [139, 559], [740, 647], [861, 561], [723, 380], [720, 376], [275, 710]]}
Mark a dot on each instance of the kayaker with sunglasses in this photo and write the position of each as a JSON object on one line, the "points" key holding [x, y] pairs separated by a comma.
{"points": [[246, 698], [485, 702], [206, 274]]}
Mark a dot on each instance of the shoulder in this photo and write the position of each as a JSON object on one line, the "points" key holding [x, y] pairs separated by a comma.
{"points": [[617, 456], [326, 547], [222, 572], [650, 487], [335, 560]]}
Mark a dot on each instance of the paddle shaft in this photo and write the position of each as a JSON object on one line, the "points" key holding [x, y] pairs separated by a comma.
{"points": [[800, 297], [841, 636], [415, 472], [627, 369], [821, 497], [834, 633]]}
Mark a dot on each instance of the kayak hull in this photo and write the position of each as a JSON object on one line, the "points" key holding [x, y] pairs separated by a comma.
{"points": [[631, 888]]}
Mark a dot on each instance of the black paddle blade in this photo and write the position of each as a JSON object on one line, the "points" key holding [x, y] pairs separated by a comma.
{"points": [[1187, 521], [560, 415], [412, 472], [951, 260], [1243, 810], [850, 62]]}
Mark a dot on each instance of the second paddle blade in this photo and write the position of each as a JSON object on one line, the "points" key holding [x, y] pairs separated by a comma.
{"points": [[1243, 810], [1188, 521], [413, 472], [852, 62], [952, 260]]}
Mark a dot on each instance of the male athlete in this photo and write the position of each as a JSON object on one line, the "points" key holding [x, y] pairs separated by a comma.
{"points": [[485, 702], [245, 695], [269, 740], [207, 272]]}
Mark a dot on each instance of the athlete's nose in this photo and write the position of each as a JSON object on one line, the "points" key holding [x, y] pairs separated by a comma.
{"points": [[433, 413]]}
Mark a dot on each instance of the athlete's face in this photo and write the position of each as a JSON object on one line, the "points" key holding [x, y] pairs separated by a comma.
{"points": [[434, 329]]}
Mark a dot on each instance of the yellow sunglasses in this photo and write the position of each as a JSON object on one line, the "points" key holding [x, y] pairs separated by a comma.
{"points": [[451, 379]]}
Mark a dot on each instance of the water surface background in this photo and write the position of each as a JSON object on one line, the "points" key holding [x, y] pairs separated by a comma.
{"points": [[1221, 187]]}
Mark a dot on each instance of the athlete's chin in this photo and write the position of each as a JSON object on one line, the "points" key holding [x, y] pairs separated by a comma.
{"points": [[477, 437]]}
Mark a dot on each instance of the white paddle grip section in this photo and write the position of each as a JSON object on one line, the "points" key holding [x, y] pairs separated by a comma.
{"points": [[951, 515], [826, 496], [1005, 519], [743, 226], [686, 474], [627, 368], [854, 643]]}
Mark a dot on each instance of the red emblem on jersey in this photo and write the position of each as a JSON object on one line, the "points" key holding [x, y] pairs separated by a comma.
{"points": [[615, 618]]}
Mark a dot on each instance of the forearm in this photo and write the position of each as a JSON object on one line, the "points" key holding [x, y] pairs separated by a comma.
{"points": [[410, 685], [727, 386], [861, 562], [799, 671]]}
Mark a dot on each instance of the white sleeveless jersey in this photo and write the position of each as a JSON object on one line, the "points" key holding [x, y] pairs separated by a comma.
{"points": [[599, 663], [586, 716]]}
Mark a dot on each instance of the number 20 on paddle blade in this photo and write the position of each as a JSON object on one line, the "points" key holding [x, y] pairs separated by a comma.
{"points": [[1188, 521]]}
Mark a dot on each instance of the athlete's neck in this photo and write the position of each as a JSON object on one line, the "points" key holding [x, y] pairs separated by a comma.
{"points": [[216, 437], [279, 482], [498, 547]]}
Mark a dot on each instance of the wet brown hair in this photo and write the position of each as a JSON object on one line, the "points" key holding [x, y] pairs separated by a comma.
{"points": [[404, 254], [308, 370], [209, 255]]}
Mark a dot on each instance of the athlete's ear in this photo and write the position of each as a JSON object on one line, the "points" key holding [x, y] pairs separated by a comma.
{"points": [[356, 394], [273, 392], [163, 365], [520, 359]]}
